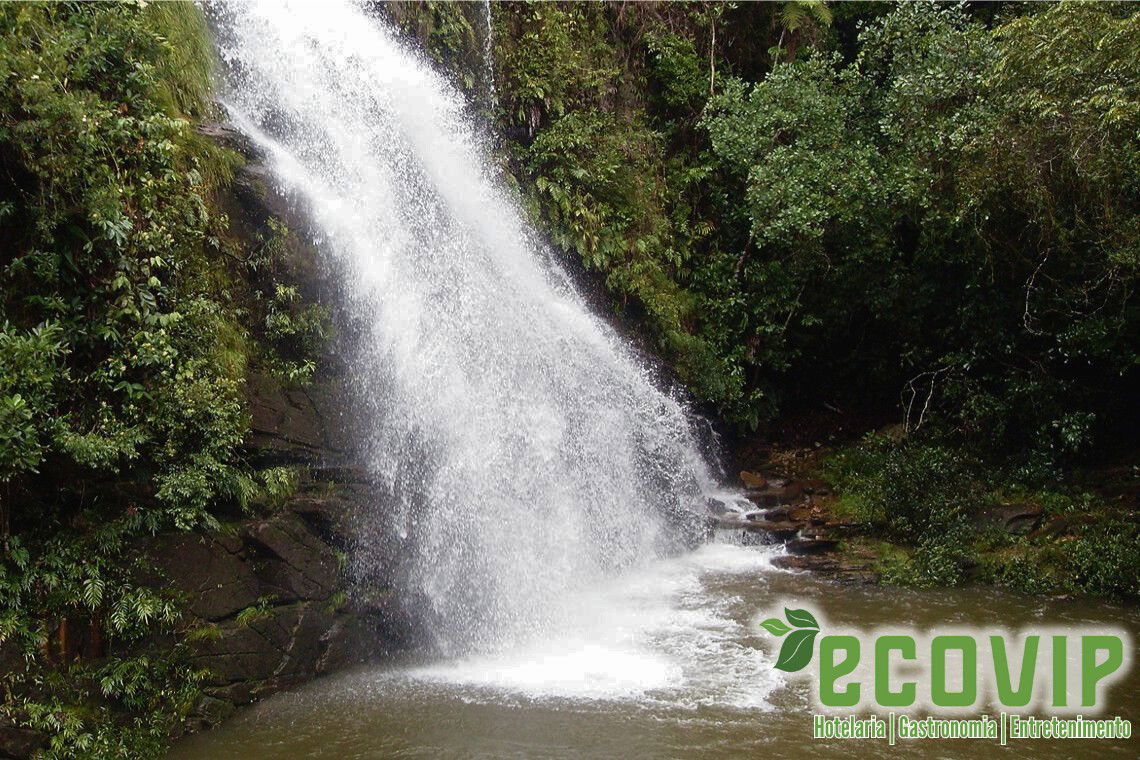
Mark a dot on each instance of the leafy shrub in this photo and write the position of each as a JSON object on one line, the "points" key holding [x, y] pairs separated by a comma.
{"points": [[937, 562], [912, 490], [981, 257], [1104, 559], [1023, 570], [112, 318]]}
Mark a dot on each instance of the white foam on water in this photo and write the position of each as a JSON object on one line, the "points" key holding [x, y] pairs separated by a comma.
{"points": [[655, 634]]}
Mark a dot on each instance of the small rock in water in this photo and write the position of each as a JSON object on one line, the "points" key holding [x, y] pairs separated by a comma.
{"points": [[778, 530], [716, 506]]}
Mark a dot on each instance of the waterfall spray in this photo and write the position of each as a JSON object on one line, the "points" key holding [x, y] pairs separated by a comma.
{"points": [[524, 449]]}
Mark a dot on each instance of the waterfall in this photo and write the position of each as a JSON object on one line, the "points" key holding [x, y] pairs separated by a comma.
{"points": [[489, 58], [525, 450]]}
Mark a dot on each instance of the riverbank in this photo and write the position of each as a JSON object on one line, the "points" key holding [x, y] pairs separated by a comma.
{"points": [[824, 491]]}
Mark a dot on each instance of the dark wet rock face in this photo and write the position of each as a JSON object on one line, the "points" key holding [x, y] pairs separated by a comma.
{"points": [[776, 492], [209, 569], [811, 545], [18, 742], [273, 598], [298, 424]]}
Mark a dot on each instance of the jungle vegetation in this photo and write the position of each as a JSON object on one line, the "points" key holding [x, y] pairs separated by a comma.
{"points": [[928, 213]]}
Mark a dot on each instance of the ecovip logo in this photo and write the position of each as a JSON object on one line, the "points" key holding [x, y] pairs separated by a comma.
{"points": [[1064, 672]]}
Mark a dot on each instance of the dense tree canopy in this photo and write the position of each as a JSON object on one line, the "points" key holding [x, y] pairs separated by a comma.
{"points": [[940, 208]]}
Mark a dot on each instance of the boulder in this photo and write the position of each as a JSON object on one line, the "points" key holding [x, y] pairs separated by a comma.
{"points": [[780, 531], [1018, 519], [19, 743], [776, 514]]}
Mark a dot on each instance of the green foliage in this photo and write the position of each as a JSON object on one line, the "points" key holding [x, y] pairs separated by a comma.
{"points": [[261, 610], [928, 199], [559, 61], [121, 707], [289, 330], [336, 602], [910, 490], [120, 400], [800, 19], [937, 562], [29, 364], [1023, 570], [920, 494], [933, 503], [446, 32], [1103, 560], [278, 484], [111, 325], [600, 168], [679, 70]]}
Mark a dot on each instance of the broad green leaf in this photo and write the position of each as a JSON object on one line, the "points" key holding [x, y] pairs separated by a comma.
{"points": [[775, 626], [801, 618], [796, 652]]}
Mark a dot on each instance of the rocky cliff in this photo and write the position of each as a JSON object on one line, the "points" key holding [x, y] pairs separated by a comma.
{"points": [[279, 599]]}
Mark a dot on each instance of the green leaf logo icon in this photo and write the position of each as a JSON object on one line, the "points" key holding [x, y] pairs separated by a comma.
{"points": [[775, 626], [801, 618], [796, 651]]}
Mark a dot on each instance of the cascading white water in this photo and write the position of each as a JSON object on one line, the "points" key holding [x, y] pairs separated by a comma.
{"points": [[525, 449]]}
